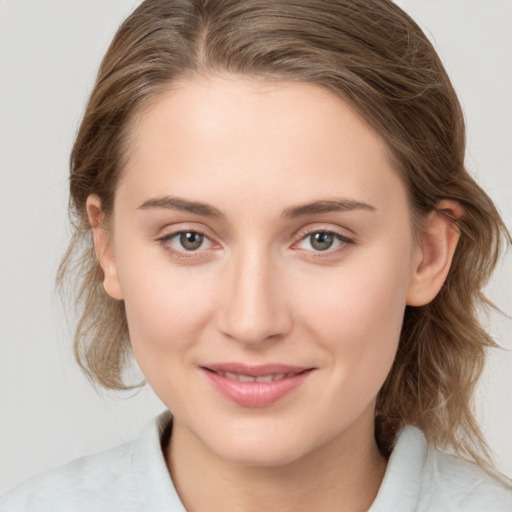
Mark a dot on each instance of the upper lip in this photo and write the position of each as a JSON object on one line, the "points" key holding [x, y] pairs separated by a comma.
{"points": [[262, 370]]}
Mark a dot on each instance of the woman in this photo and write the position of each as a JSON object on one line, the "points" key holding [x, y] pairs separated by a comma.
{"points": [[278, 222]]}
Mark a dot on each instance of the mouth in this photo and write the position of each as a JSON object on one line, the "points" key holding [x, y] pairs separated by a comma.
{"points": [[249, 378], [255, 386]]}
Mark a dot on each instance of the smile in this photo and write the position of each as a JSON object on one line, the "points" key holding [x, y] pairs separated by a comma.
{"points": [[257, 386], [249, 378]]}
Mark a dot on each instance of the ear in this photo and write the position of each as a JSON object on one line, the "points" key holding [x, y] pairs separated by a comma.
{"points": [[103, 247], [434, 253]]}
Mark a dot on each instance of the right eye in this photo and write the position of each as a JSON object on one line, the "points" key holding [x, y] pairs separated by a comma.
{"points": [[183, 242], [190, 240]]}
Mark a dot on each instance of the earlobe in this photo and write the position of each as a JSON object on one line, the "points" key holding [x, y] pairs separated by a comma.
{"points": [[435, 251], [103, 247]]}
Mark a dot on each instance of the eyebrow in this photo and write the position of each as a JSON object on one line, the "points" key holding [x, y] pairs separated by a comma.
{"points": [[205, 210], [326, 206], [176, 203]]}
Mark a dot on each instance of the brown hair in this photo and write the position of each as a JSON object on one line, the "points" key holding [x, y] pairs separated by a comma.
{"points": [[375, 57]]}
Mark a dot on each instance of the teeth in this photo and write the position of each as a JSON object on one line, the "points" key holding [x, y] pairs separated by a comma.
{"points": [[266, 378], [249, 378], [246, 378]]}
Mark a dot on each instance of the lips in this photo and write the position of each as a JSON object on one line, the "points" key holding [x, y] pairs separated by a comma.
{"points": [[249, 378], [255, 386]]}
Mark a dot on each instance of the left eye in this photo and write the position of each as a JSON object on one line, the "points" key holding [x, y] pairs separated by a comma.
{"points": [[320, 241]]}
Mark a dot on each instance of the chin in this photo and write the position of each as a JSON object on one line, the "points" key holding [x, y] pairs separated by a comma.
{"points": [[262, 455], [259, 446]]}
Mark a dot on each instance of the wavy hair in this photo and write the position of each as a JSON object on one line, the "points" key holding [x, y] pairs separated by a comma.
{"points": [[375, 57]]}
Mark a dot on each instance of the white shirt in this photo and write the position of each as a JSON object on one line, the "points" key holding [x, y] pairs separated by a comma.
{"points": [[134, 477]]}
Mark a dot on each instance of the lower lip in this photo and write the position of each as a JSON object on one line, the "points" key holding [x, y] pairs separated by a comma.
{"points": [[255, 394]]}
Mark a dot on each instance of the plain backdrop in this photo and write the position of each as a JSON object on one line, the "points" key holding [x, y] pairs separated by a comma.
{"points": [[49, 53]]}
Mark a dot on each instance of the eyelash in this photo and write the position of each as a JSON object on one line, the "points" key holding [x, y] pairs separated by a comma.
{"points": [[165, 242], [344, 243]]}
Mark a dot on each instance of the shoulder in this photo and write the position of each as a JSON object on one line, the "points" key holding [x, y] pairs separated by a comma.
{"points": [[128, 478], [90, 478], [467, 487], [421, 478]]}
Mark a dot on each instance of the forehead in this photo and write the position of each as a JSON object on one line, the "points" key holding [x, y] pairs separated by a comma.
{"points": [[219, 136]]}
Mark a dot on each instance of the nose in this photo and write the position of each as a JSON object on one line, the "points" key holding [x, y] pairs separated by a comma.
{"points": [[255, 306]]}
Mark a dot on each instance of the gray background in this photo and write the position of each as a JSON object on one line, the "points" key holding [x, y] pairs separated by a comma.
{"points": [[49, 53]]}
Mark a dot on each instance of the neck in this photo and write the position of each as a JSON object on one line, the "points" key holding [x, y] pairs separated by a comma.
{"points": [[341, 475]]}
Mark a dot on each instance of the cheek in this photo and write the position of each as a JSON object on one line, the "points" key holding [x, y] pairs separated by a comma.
{"points": [[358, 315], [167, 312], [166, 307]]}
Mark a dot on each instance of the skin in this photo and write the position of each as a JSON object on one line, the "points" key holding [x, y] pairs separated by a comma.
{"points": [[257, 291]]}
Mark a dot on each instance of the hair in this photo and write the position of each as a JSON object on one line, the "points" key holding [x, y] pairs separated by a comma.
{"points": [[373, 56]]}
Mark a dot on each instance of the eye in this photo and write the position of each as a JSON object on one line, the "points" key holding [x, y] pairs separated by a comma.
{"points": [[186, 242], [190, 241], [322, 241]]}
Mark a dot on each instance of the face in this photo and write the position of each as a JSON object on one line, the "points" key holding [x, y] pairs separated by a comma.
{"points": [[262, 244]]}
